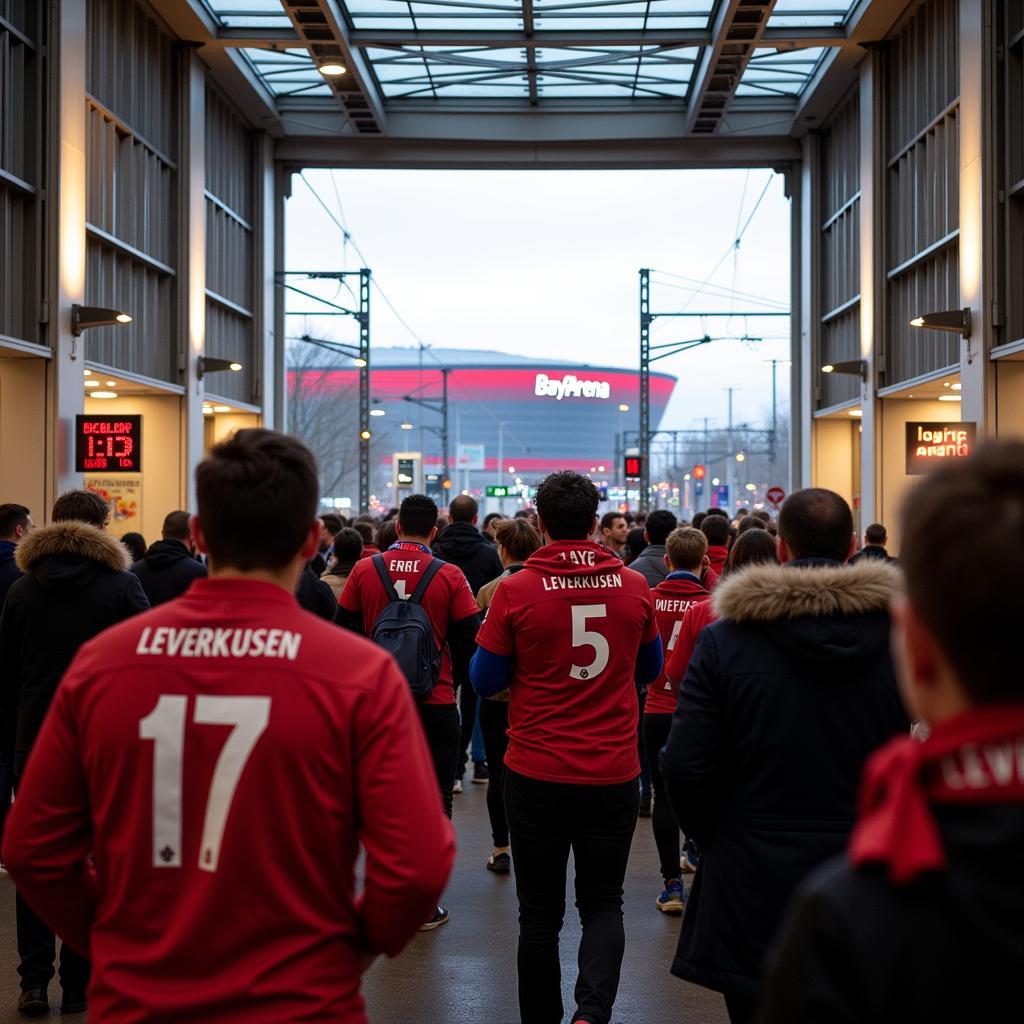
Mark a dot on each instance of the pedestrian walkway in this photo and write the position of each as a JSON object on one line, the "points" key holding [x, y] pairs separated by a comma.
{"points": [[464, 973]]}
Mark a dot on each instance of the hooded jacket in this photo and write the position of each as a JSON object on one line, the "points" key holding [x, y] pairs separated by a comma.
{"points": [[9, 571], [650, 563], [858, 949], [785, 697], [167, 571], [464, 545], [76, 584]]}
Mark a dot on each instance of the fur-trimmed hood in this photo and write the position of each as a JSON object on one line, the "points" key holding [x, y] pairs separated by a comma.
{"points": [[772, 593], [73, 542]]}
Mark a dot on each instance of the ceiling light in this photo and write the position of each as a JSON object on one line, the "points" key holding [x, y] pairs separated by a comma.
{"points": [[378, 412], [88, 373], [950, 398], [407, 426], [103, 394], [955, 321], [332, 69], [110, 383], [207, 411], [222, 408], [946, 384], [956, 387], [855, 413], [92, 383]]}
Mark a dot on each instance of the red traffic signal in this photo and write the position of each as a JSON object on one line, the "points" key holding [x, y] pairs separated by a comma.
{"points": [[699, 472], [633, 466]]}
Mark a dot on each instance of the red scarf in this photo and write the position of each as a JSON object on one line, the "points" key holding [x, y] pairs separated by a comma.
{"points": [[973, 758]]}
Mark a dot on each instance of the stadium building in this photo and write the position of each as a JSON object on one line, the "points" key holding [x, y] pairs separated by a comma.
{"points": [[509, 417]]}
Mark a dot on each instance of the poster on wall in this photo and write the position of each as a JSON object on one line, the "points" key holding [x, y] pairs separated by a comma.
{"points": [[124, 496], [929, 444]]}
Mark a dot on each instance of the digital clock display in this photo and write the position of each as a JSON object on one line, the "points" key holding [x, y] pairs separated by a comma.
{"points": [[108, 444]]}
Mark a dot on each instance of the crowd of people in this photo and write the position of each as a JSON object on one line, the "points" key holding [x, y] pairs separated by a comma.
{"points": [[829, 743]]}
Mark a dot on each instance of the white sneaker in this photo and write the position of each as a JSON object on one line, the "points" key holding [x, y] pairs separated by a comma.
{"points": [[457, 788]]}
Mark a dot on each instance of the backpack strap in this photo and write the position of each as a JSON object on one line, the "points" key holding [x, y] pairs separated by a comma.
{"points": [[385, 578], [432, 569]]}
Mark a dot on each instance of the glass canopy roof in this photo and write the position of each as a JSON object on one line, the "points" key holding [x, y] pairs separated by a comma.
{"points": [[494, 63]]}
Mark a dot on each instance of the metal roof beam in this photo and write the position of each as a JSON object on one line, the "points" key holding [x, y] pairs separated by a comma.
{"points": [[738, 28], [323, 30]]}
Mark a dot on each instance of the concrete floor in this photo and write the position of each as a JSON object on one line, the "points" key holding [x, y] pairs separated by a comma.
{"points": [[464, 972]]}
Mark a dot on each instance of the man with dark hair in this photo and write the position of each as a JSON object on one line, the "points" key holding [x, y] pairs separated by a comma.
{"points": [[612, 533], [491, 522], [922, 918], [330, 524], [463, 545], [454, 617], [718, 532], [169, 566], [569, 635], [76, 584], [784, 698], [366, 529], [15, 524], [875, 538], [651, 561], [229, 749]]}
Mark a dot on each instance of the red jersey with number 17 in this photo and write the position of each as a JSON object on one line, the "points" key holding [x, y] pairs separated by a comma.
{"points": [[572, 620], [224, 757], [672, 598], [447, 599]]}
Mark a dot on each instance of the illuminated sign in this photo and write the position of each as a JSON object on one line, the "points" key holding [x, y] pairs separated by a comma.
{"points": [[929, 443], [570, 386], [108, 444], [632, 469], [406, 472], [699, 472], [498, 491]]}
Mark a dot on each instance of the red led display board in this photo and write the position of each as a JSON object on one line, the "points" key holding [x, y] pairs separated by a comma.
{"points": [[108, 444], [633, 467]]}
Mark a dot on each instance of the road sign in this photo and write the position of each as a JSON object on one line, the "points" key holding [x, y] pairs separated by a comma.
{"points": [[775, 496], [498, 490], [470, 456]]}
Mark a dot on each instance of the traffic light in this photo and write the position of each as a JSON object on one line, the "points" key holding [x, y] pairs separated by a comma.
{"points": [[699, 472], [633, 467]]}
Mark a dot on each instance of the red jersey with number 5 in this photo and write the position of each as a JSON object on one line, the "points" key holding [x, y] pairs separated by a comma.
{"points": [[223, 757], [447, 599], [672, 598], [572, 620]]}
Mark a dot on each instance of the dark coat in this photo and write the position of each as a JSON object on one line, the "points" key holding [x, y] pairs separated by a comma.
{"points": [[316, 596], [167, 571], [9, 571], [946, 949], [464, 545], [872, 551], [650, 563], [784, 699], [76, 584]]}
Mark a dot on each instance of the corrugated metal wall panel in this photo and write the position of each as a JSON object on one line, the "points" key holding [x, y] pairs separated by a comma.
{"points": [[21, 208], [132, 141], [229, 336], [1010, 28], [840, 250], [228, 257], [922, 198]]}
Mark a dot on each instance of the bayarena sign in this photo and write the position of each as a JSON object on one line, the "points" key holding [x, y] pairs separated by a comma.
{"points": [[570, 386]]}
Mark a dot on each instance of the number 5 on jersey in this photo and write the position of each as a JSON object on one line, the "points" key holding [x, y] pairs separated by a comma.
{"points": [[165, 725], [583, 637]]}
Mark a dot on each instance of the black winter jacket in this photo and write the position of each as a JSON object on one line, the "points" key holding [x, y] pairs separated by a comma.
{"points": [[76, 585], [947, 949], [167, 571], [316, 596], [464, 545], [784, 699], [9, 571]]}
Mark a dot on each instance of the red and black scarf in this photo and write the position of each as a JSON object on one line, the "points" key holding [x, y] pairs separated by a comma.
{"points": [[973, 758]]}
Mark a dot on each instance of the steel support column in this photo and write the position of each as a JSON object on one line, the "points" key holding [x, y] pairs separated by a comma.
{"points": [[978, 284], [804, 323], [282, 189], [67, 171], [269, 384], [364, 390], [192, 265], [645, 391]]}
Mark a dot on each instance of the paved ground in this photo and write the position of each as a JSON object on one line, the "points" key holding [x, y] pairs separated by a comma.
{"points": [[464, 973]]}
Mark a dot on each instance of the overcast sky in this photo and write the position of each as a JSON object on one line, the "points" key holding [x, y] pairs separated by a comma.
{"points": [[545, 263]]}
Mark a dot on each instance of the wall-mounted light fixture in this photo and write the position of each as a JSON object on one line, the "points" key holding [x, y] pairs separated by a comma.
{"points": [[206, 364], [84, 317], [955, 321], [852, 367]]}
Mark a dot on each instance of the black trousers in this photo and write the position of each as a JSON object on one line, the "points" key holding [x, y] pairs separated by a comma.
{"points": [[494, 726], [663, 819], [642, 750], [467, 712], [441, 725], [741, 1009], [546, 821]]}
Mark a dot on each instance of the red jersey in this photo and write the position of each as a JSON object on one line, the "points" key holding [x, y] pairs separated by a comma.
{"points": [[223, 757], [447, 599], [572, 620], [718, 555], [695, 619], [672, 599]]}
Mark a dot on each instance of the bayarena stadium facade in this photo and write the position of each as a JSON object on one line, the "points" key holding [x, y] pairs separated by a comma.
{"points": [[511, 419]]}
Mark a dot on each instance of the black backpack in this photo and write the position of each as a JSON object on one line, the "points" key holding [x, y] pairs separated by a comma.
{"points": [[404, 630]]}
